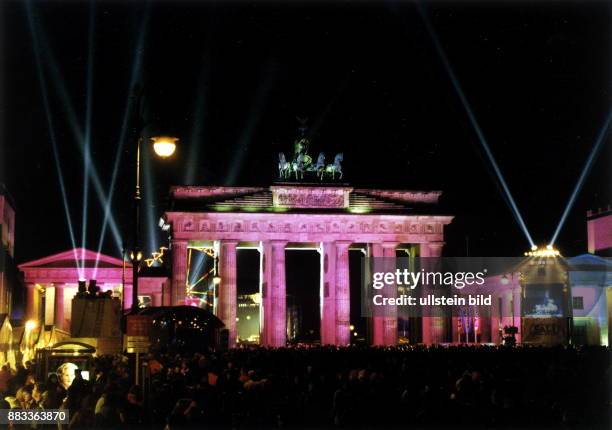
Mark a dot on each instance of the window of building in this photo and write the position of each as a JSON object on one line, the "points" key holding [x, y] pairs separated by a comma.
{"points": [[577, 302]]}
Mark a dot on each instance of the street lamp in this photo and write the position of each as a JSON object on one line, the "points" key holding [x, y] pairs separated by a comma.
{"points": [[216, 278], [164, 147]]}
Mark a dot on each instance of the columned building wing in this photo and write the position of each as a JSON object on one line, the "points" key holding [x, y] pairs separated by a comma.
{"points": [[8, 271], [52, 282], [330, 219]]}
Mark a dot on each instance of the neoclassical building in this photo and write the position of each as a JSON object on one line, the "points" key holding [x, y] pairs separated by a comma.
{"points": [[329, 219], [51, 283]]}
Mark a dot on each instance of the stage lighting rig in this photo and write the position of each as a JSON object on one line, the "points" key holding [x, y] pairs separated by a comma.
{"points": [[547, 251]]}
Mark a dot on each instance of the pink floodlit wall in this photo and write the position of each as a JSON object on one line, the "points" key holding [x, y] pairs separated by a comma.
{"points": [[593, 301], [599, 230]]}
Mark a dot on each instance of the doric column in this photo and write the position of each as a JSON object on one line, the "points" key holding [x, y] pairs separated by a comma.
{"points": [[274, 295], [279, 295], [265, 312], [166, 298], [59, 308], [127, 295], [227, 289], [390, 321], [31, 308], [516, 311], [376, 250], [179, 272], [328, 293], [432, 331], [342, 295]]}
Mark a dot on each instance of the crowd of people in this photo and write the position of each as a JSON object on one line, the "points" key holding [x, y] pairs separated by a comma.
{"points": [[323, 387]]}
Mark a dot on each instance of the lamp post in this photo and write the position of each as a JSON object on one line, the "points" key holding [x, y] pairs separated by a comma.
{"points": [[164, 147]]}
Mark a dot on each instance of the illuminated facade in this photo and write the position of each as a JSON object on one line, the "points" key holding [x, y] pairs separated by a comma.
{"points": [[580, 288], [599, 232], [52, 282], [8, 272], [329, 219]]}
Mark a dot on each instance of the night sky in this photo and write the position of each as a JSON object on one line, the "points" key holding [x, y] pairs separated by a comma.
{"points": [[230, 78]]}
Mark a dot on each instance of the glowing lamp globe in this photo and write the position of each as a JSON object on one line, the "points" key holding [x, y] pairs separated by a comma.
{"points": [[164, 146]]}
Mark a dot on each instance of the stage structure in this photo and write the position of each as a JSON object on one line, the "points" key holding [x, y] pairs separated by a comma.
{"points": [[329, 218]]}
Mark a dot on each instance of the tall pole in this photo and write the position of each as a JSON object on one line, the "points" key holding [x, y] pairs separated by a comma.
{"points": [[136, 248], [123, 280]]}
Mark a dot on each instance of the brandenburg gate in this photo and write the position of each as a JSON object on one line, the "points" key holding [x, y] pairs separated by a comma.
{"points": [[329, 218]]}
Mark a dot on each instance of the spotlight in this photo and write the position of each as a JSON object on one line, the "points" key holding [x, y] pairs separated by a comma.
{"points": [[547, 251], [164, 146], [93, 287], [472, 117], [30, 325], [216, 280], [50, 124], [82, 286], [601, 139]]}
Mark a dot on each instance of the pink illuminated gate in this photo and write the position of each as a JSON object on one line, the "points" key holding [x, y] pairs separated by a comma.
{"points": [[331, 219]]}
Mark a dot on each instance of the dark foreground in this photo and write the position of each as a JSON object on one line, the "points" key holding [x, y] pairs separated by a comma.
{"points": [[321, 387]]}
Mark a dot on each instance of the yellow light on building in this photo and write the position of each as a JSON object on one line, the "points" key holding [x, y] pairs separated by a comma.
{"points": [[30, 325], [548, 251]]}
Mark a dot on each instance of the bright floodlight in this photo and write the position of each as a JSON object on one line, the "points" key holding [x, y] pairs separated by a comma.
{"points": [[30, 325], [547, 251], [216, 280], [164, 146]]}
